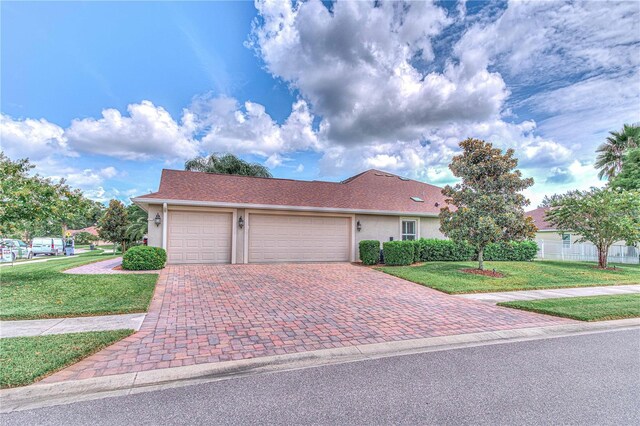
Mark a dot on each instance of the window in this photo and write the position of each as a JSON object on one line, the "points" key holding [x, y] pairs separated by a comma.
{"points": [[409, 230], [566, 240], [417, 199]]}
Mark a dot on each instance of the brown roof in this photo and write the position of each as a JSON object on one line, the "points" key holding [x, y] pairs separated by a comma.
{"points": [[371, 190], [91, 229], [538, 216]]}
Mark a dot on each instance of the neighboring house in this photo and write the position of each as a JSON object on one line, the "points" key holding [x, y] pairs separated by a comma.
{"points": [[214, 218], [556, 244], [91, 230]]}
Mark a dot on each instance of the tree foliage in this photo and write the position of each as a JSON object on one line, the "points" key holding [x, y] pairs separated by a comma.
{"points": [[611, 153], [488, 204], [113, 224], [32, 204], [600, 216], [226, 164], [138, 223], [629, 176]]}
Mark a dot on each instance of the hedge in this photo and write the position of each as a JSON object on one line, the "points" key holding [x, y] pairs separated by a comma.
{"points": [[397, 253], [144, 258], [369, 251], [511, 251], [431, 250]]}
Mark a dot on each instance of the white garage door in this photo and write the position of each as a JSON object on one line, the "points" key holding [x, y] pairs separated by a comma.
{"points": [[282, 238], [199, 237]]}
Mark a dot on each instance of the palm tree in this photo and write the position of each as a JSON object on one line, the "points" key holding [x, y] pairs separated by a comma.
{"points": [[227, 164], [611, 153], [138, 223]]}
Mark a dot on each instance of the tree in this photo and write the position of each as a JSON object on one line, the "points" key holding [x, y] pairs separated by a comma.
{"points": [[226, 164], [601, 216], [611, 153], [33, 202], [549, 199], [488, 205], [629, 176], [113, 224], [138, 223]]}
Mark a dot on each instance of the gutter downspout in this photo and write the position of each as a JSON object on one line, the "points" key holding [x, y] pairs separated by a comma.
{"points": [[164, 225]]}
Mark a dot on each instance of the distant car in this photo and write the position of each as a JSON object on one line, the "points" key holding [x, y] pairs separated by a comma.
{"points": [[19, 249], [52, 246]]}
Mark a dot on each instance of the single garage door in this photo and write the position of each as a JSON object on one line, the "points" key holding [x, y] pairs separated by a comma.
{"points": [[284, 238], [199, 237]]}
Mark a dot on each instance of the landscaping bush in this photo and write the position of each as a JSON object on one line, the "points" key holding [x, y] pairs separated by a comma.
{"points": [[84, 238], [511, 251], [144, 258], [398, 253], [369, 251], [431, 250]]}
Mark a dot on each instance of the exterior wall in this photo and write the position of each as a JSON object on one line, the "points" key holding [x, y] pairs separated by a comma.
{"points": [[155, 232], [381, 228], [240, 237], [430, 228]]}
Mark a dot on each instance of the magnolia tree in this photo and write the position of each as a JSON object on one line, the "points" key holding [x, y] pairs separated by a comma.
{"points": [[113, 224], [600, 216], [488, 204]]}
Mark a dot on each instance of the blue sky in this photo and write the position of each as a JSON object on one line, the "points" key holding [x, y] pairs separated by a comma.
{"points": [[107, 94]]}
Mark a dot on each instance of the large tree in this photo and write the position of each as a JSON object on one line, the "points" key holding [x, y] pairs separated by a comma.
{"points": [[601, 216], [113, 224], [488, 204], [629, 176], [227, 164], [30, 203], [611, 153]]}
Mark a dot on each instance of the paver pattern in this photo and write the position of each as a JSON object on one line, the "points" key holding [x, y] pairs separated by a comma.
{"points": [[104, 267], [209, 313]]}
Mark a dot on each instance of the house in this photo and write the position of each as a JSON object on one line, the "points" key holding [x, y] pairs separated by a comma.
{"points": [[548, 232], [91, 230], [214, 218]]}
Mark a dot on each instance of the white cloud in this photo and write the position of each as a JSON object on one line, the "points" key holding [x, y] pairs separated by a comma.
{"points": [[35, 139], [148, 132]]}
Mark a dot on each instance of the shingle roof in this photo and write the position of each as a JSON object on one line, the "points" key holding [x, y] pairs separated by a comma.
{"points": [[538, 219], [371, 190]]}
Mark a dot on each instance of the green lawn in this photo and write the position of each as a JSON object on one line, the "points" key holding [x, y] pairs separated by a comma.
{"points": [[23, 360], [41, 290], [591, 308], [447, 277]]}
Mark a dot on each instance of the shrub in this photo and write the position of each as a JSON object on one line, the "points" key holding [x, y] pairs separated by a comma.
{"points": [[144, 258], [511, 251], [84, 238], [432, 250], [398, 253], [369, 251]]}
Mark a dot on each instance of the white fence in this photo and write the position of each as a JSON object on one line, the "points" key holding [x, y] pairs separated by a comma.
{"points": [[559, 250]]}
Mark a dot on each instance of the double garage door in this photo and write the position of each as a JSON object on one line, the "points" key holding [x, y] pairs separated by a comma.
{"points": [[205, 237]]}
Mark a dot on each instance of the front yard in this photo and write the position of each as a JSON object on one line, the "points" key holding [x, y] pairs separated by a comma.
{"points": [[23, 360], [591, 308], [41, 290], [448, 277]]}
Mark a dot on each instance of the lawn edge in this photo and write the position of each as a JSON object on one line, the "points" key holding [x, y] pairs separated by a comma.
{"points": [[93, 351]]}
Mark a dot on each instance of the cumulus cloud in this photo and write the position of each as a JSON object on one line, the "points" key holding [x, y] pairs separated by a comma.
{"points": [[148, 132], [35, 139]]}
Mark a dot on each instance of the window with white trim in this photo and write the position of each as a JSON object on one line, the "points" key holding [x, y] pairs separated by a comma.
{"points": [[566, 240], [409, 230]]}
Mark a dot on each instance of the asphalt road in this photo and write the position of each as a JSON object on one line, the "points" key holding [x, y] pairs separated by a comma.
{"points": [[584, 380]]}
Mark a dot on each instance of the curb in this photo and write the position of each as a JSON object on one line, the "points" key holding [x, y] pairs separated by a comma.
{"points": [[50, 394]]}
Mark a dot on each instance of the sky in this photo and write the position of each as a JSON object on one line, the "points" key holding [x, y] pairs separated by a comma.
{"points": [[106, 94]]}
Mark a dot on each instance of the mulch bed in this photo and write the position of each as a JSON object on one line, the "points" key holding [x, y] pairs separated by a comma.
{"points": [[484, 273]]}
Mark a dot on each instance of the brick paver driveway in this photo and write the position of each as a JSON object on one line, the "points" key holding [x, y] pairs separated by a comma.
{"points": [[209, 313]]}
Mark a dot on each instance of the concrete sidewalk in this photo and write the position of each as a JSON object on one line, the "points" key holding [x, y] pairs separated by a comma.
{"points": [[508, 296], [70, 325]]}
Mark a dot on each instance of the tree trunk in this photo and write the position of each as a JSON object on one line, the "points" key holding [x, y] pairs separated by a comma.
{"points": [[603, 256], [480, 259], [114, 247]]}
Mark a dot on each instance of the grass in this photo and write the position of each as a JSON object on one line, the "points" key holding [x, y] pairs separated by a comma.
{"points": [[41, 290], [447, 277], [23, 360], [591, 308]]}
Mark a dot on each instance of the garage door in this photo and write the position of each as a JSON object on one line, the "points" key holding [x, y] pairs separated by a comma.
{"points": [[282, 238], [199, 237]]}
